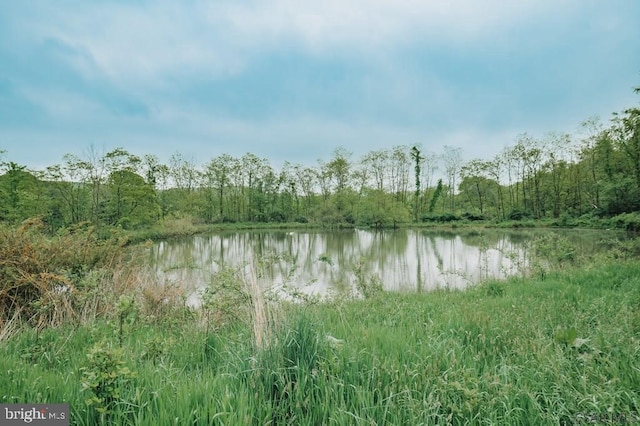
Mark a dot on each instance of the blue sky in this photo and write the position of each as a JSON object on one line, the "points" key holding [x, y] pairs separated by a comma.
{"points": [[294, 79]]}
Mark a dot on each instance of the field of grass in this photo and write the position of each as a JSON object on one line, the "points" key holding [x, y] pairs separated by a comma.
{"points": [[555, 351]]}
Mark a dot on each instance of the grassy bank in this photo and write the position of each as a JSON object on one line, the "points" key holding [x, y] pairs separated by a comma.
{"points": [[185, 227], [562, 350]]}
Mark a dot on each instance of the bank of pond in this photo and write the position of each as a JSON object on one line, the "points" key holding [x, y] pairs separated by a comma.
{"points": [[556, 348]]}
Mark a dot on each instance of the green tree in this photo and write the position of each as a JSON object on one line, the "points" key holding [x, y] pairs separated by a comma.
{"points": [[623, 189], [416, 154], [588, 154], [157, 175], [21, 194], [381, 210], [474, 181], [217, 177], [400, 164], [72, 184], [627, 135], [185, 177], [436, 196], [338, 172], [305, 177], [377, 164], [131, 202]]}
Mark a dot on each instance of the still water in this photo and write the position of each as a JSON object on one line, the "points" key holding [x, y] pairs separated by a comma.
{"points": [[325, 262]]}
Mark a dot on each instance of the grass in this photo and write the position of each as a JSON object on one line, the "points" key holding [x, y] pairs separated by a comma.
{"points": [[560, 350], [185, 227]]}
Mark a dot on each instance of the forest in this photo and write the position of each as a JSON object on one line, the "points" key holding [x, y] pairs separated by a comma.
{"points": [[568, 178]]}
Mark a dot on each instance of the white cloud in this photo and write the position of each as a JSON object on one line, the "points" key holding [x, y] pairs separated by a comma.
{"points": [[379, 23], [148, 43]]}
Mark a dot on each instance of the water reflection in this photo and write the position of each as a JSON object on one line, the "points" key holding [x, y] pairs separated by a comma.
{"points": [[323, 262]]}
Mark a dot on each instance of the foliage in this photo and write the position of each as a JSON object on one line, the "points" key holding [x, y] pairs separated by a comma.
{"points": [[288, 373], [594, 172], [132, 202], [226, 300], [518, 214], [442, 218], [126, 311], [105, 377], [544, 352], [473, 217], [435, 197], [628, 221], [42, 278], [380, 210], [20, 194], [554, 248], [369, 286]]}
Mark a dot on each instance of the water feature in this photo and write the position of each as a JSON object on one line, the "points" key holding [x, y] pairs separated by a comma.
{"points": [[323, 262]]}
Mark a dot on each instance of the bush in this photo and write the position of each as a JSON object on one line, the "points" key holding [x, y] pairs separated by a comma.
{"points": [[628, 221], [443, 218], [447, 217], [40, 275], [105, 377], [277, 216], [473, 216], [518, 214]]}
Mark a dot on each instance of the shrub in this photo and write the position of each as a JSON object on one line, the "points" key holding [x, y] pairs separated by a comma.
{"points": [[226, 299], [473, 216], [628, 221], [277, 216], [443, 218], [105, 377], [517, 214], [40, 275], [369, 286]]}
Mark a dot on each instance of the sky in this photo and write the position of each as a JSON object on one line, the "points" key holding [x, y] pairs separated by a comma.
{"points": [[292, 80]]}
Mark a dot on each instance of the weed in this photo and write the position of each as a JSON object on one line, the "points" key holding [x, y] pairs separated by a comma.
{"points": [[127, 310], [156, 349], [226, 299], [106, 377], [565, 336], [368, 286], [555, 249], [495, 289], [288, 371]]}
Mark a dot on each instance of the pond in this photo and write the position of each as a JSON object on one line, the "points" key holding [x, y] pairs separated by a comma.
{"points": [[330, 262]]}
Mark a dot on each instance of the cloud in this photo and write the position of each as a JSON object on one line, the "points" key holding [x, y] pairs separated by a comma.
{"points": [[294, 79], [380, 23], [149, 43]]}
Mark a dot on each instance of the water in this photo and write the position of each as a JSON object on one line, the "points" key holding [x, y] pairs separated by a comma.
{"points": [[324, 262]]}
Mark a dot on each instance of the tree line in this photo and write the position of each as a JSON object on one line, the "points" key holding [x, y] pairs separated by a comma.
{"points": [[593, 173]]}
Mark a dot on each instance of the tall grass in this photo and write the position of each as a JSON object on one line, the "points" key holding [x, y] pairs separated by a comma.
{"points": [[550, 351], [559, 348]]}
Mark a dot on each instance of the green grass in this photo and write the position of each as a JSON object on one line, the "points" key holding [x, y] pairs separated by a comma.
{"points": [[523, 352], [180, 228]]}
